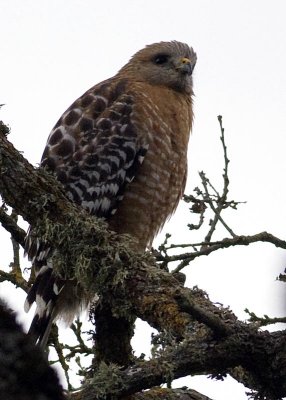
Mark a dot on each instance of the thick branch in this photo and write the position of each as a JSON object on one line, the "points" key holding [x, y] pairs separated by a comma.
{"points": [[156, 393], [30, 192], [168, 394], [199, 355]]}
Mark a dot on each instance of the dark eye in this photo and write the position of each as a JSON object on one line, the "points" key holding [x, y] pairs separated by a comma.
{"points": [[161, 59]]}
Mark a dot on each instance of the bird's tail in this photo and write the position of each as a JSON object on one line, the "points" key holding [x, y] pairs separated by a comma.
{"points": [[55, 297], [45, 289], [44, 292], [40, 328]]}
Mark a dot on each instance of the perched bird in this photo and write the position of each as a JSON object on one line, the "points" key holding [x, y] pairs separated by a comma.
{"points": [[120, 151]]}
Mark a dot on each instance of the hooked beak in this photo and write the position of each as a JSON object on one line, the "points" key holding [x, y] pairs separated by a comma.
{"points": [[186, 66]]}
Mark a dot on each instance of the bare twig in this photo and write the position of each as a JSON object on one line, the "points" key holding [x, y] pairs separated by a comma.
{"points": [[265, 320], [14, 279], [80, 347], [76, 328], [59, 348], [198, 207], [15, 265], [221, 200], [8, 222], [242, 240]]}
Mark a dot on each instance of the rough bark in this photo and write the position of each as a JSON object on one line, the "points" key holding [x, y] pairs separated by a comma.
{"points": [[112, 336], [159, 393], [201, 354], [169, 394]]}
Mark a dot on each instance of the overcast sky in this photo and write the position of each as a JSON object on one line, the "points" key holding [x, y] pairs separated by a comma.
{"points": [[53, 51]]}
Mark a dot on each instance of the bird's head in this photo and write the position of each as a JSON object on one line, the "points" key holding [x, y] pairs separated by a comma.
{"points": [[165, 64]]}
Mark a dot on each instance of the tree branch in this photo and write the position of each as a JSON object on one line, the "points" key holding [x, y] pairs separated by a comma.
{"points": [[9, 223], [156, 393], [133, 285], [198, 355], [221, 200], [168, 394], [209, 247], [14, 279]]}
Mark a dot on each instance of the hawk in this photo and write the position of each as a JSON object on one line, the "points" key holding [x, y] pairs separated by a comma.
{"points": [[120, 151]]}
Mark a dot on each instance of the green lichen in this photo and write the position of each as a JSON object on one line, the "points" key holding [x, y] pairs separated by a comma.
{"points": [[107, 381]]}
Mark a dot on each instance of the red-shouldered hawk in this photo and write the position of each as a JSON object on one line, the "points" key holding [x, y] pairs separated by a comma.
{"points": [[120, 151]]}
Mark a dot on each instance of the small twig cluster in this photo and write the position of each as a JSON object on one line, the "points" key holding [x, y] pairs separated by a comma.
{"points": [[208, 198]]}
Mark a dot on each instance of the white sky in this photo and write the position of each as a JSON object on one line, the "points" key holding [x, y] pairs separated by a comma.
{"points": [[53, 51]]}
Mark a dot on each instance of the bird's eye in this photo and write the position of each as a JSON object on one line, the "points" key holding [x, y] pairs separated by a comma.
{"points": [[161, 59]]}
